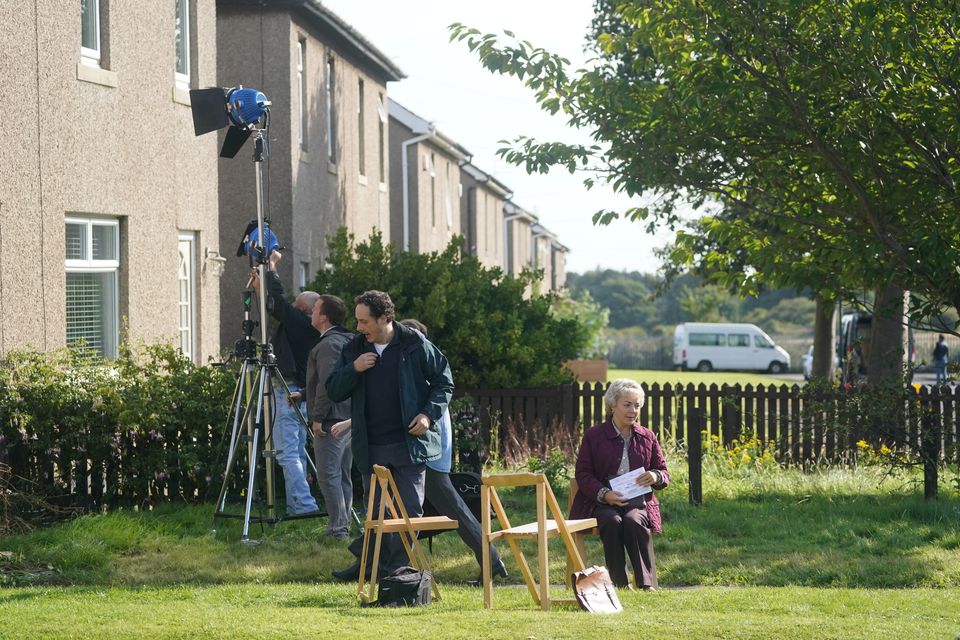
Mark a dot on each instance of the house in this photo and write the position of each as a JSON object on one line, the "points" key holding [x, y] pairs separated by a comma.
{"points": [[549, 255], [425, 185], [482, 209], [518, 237], [108, 202], [328, 163]]}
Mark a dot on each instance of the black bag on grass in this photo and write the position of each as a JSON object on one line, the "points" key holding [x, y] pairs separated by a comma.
{"points": [[405, 587]]}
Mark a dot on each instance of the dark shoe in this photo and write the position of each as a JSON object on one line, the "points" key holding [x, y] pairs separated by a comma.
{"points": [[350, 574], [498, 569]]}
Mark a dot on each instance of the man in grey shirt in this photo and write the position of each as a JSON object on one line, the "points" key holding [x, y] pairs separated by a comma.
{"points": [[333, 456]]}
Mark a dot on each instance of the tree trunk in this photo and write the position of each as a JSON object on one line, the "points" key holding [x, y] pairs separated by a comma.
{"points": [[824, 337], [884, 354]]}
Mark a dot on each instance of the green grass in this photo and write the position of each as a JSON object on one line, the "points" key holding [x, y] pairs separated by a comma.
{"points": [[321, 610], [650, 376], [770, 554]]}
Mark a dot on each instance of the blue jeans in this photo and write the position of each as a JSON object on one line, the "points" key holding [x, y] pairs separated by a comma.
{"points": [[290, 441], [940, 366]]}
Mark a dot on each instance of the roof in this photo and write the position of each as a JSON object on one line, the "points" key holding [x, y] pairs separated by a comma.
{"points": [[421, 126], [512, 209], [488, 180], [341, 34]]}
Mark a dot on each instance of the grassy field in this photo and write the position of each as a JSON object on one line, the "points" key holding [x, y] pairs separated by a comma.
{"points": [[651, 376], [770, 554]]}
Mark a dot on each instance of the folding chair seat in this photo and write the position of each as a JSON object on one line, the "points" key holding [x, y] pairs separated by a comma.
{"points": [[540, 530], [392, 517]]}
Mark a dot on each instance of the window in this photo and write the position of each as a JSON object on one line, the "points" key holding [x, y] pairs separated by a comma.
{"points": [[181, 35], [708, 339], [432, 168], [90, 32], [331, 112], [304, 275], [187, 291], [382, 138], [738, 340], [360, 135], [301, 98], [92, 262], [448, 196], [763, 342]]}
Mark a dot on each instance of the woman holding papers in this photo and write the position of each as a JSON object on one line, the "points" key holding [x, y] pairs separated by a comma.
{"points": [[619, 465]]}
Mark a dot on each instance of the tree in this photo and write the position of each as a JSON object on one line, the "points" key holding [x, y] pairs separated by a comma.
{"points": [[818, 138], [493, 333], [591, 317]]}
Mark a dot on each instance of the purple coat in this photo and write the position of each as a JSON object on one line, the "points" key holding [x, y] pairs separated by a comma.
{"points": [[599, 459]]}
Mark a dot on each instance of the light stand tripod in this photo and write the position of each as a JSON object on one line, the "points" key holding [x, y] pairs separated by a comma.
{"points": [[258, 374]]}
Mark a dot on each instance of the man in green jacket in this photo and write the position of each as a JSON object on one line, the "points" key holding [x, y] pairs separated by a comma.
{"points": [[399, 384]]}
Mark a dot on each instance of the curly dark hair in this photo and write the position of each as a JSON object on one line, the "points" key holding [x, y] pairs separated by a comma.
{"points": [[378, 302]]}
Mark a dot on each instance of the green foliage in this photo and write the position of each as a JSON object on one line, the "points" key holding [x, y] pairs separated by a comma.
{"points": [[819, 139], [554, 465], [746, 455], [592, 319], [495, 330], [145, 421]]}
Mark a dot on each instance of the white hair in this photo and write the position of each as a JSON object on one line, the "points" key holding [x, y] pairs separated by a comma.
{"points": [[619, 387]]}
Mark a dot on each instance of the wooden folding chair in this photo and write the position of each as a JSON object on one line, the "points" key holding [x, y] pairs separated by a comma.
{"points": [[579, 537], [541, 531], [392, 517]]}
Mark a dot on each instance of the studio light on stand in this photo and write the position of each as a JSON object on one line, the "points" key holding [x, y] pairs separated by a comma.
{"points": [[247, 113]]}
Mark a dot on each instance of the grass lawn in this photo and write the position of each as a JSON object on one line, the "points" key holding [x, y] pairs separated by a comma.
{"points": [[718, 378], [770, 554]]}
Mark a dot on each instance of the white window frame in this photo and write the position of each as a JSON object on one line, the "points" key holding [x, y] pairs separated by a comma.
{"points": [[190, 240], [330, 81], [304, 275], [301, 97], [448, 196], [183, 79], [382, 113], [88, 55], [90, 265], [432, 170], [361, 129]]}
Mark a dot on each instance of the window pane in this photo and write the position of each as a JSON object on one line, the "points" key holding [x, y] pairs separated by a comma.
{"points": [[104, 242], [90, 38], [181, 35], [186, 302], [91, 311], [77, 242]]}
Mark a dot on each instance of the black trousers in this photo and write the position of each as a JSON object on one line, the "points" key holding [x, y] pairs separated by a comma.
{"points": [[625, 532]]}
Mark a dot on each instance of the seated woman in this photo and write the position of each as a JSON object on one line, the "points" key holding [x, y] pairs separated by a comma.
{"points": [[610, 449]]}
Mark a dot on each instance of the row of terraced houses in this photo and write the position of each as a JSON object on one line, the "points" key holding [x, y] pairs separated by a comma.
{"points": [[117, 223]]}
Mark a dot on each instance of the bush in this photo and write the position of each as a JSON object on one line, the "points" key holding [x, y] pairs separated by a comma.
{"points": [[137, 430], [495, 329]]}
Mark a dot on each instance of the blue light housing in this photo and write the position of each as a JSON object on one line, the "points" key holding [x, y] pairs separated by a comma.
{"points": [[246, 106]]}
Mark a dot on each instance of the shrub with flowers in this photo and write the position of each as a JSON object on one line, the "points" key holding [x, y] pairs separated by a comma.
{"points": [[746, 452]]}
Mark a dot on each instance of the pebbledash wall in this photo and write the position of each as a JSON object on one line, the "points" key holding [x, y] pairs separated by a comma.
{"points": [[329, 164], [108, 203]]}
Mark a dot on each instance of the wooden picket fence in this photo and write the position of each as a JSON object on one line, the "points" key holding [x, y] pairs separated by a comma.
{"points": [[803, 427]]}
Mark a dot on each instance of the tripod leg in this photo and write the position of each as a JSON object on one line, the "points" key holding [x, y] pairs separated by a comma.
{"points": [[264, 413], [252, 473], [238, 395]]}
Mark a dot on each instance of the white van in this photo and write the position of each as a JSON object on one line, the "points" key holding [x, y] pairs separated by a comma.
{"points": [[706, 346]]}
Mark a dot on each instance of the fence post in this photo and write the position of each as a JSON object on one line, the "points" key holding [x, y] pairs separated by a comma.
{"points": [[694, 452], [929, 451]]}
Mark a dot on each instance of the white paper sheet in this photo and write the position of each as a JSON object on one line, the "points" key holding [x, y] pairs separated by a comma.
{"points": [[626, 485]]}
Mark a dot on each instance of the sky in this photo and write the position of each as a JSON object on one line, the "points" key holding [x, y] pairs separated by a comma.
{"points": [[447, 85]]}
